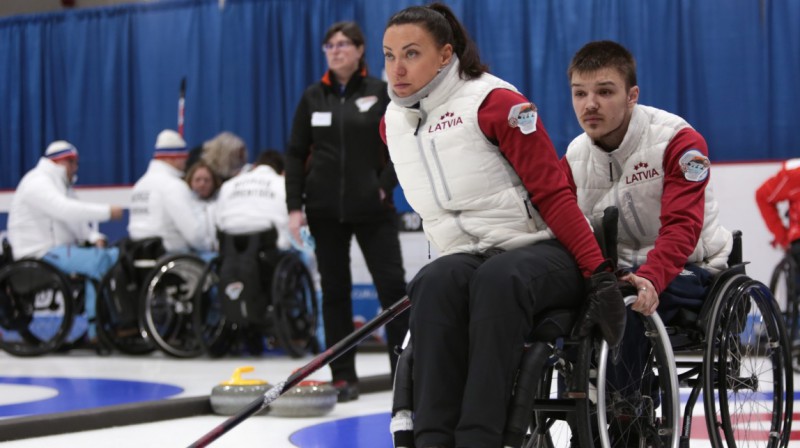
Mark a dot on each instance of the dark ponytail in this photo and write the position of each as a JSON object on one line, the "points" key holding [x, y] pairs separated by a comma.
{"points": [[438, 19]]}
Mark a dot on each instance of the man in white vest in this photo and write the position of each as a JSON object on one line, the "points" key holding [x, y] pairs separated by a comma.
{"points": [[654, 167]]}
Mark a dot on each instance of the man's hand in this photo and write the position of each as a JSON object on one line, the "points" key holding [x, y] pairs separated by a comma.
{"points": [[116, 212], [647, 300], [604, 307]]}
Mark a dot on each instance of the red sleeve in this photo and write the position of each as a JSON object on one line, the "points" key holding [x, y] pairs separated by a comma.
{"points": [[768, 195], [382, 129], [682, 213], [535, 161], [568, 172]]}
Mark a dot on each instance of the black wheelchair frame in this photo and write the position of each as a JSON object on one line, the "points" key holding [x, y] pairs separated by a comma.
{"points": [[290, 313]]}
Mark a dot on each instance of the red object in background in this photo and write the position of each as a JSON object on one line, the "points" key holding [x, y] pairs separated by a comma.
{"points": [[68, 3]]}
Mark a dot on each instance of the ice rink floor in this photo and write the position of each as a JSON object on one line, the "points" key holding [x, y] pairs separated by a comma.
{"points": [[44, 388]]}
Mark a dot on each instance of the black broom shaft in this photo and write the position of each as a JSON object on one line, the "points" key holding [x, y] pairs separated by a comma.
{"points": [[320, 360]]}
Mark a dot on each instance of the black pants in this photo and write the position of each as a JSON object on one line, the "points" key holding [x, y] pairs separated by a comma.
{"points": [[380, 244], [469, 319]]}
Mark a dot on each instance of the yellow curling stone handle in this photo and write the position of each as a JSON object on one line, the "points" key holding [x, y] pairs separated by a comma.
{"points": [[237, 380]]}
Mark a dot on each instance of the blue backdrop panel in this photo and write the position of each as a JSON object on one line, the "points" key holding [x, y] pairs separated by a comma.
{"points": [[107, 79]]}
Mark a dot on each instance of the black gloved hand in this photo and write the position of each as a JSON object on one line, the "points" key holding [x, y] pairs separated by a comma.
{"points": [[604, 307]]}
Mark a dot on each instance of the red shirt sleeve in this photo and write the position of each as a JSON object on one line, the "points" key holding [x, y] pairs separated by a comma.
{"points": [[535, 161], [682, 213], [382, 129], [768, 195]]}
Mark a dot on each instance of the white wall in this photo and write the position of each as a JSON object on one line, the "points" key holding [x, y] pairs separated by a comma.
{"points": [[734, 186]]}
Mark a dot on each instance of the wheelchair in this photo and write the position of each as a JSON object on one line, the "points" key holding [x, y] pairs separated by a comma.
{"points": [[118, 307], [736, 351], [784, 286], [254, 290], [564, 395], [166, 304], [41, 307]]}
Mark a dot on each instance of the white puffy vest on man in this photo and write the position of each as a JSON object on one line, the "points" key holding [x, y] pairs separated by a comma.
{"points": [[162, 204], [469, 197], [44, 211], [632, 178]]}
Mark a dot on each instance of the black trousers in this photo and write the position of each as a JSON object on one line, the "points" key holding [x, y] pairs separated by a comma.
{"points": [[380, 244], [469, 319]]}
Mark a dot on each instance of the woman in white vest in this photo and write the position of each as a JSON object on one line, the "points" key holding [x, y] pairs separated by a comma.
{"points": [[477, 165]]}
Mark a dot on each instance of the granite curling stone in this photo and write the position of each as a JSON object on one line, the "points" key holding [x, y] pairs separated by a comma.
{"points": [[307, 399], [229, 397]]}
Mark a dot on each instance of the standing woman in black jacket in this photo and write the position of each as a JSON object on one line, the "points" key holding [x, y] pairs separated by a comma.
{"points": [[338, 170]]}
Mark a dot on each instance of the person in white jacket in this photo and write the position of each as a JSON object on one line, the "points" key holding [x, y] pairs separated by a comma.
{"points": [[47, 221], [256, 200], [161, 201]]}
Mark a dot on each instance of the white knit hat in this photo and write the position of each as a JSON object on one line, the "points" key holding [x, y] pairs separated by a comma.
{"points": [[170, 144], [60, 150]]}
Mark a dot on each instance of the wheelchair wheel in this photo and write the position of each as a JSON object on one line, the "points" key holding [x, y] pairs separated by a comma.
{"points": [[747, 378], [167, 305], [36, 308], [294, 306], [640, 409], [210, 326], [622, 413], [783, 285], [118, 318]]}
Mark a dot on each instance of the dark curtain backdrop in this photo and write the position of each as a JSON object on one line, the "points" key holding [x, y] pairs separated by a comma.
{"points": [[107, 79]]}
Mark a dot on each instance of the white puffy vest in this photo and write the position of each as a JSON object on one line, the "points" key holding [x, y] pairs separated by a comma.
{"points": [[469, 197], [631, 178]]}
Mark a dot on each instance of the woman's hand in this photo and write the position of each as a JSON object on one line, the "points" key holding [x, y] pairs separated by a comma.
{"points": [[296, 220]]}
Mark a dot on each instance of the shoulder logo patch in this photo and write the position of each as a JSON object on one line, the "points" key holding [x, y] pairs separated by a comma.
{"points": [[523, 116], [694, 165]]}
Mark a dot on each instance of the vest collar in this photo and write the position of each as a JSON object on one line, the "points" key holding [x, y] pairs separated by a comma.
{"points": [[633, 137]]}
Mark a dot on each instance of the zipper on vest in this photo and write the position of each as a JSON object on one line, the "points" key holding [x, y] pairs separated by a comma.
{"points": [[419, 123], [634, 214], [610, 172], [440, 171], [525, 204]]}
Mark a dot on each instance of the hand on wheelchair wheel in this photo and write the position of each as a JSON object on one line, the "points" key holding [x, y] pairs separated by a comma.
{"points": [[604, 307]]}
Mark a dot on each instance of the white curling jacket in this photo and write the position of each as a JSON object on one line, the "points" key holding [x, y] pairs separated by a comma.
{"points": [[45, 213], [162, 206], [253, 202]]}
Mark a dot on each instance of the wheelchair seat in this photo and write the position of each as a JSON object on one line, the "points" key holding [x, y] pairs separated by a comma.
{"points": [[246, 264]]}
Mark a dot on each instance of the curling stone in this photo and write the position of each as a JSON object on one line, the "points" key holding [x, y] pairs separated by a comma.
{"points": [[307, 399], [229, 397]]}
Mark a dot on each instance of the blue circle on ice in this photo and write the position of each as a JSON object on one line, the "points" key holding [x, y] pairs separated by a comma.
{"points": [[81, 393]]}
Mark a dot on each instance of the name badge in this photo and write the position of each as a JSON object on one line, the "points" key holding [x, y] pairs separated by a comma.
{"points": [[366, 102], [321, 119]]}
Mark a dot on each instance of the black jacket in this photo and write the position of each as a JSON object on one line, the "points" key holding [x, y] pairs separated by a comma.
{"points": [[336, 161]]}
